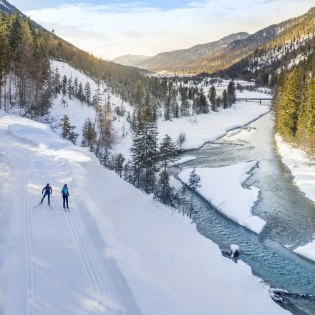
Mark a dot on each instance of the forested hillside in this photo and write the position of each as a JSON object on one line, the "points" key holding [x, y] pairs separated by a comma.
{"points": [[294, 43], [189, 60], [26, 81]]}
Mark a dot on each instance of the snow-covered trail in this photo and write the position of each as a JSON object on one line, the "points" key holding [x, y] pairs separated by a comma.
{"points": [[55, 267]]}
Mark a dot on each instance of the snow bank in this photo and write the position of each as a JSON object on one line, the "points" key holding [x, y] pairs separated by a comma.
{"points": [[208, 127], [117, 251], [222, 186], [308, 250], [303, 170]]}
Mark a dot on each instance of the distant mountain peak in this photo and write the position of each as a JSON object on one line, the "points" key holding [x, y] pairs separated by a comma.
{"points": [[130, 60]]}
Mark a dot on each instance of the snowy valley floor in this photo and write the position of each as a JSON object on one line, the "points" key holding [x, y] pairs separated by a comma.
{"points": [[117, 251]]}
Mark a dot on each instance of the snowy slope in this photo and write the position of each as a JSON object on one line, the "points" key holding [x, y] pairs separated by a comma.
{"points": [[77, 112], [116, 252]]}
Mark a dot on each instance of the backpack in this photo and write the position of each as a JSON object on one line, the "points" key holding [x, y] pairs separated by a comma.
{"points": [[65, 191]]}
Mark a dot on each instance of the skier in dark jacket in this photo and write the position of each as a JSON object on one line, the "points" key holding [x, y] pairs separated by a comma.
{"points": [[65, 195], [48, 191]]}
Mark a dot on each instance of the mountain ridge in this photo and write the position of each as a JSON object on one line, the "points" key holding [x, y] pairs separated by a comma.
{"points": [[6, 7], [180, 56], [182, 61]]}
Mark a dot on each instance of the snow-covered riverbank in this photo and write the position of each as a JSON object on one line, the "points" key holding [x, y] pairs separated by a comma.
{"points": [[223, 187], [208, 127], [303, 170]]}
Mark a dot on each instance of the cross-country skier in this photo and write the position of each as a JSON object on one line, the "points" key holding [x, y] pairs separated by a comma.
{"points": [[48, 191], [65, 195]]}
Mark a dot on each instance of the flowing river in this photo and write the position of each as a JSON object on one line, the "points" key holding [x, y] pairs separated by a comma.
{"points": [[289, 215]]}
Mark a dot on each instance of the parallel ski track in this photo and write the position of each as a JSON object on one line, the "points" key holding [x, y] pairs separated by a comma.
{"points": [[89, 266], [31, 310], [94, 276]]}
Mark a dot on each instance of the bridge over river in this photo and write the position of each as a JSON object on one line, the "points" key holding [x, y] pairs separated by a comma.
{"points": [[260, 99]]}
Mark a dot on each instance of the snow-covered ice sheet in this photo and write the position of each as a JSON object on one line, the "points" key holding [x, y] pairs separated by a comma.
{"points": [[118, 251], [183, 159], [222, 186]]}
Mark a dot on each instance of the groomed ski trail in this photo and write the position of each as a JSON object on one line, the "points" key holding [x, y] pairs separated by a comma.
{"points": [[58, 263]]}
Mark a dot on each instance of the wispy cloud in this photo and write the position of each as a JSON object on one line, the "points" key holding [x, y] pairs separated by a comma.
{"points": [[112, 30]]}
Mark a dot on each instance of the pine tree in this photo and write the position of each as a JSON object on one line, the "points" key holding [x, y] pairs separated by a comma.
{"points": [[167, 149], [184, 109], [144, 152], [89, 135], [138, 98], [288, 103], [306, 117], [225, 99], [167, 108], [75, 87], [174, 105], [5, 53], [310, 101], [164, 191], [119, 164], [104, 122], [127, 172], [56, 83], [105, 158], [203, 102], [67, 130], [231, 93], [212, 98], [70, 88], [87, 93], [64, 85], [80, 93], [194, 180], [22, 51], [200, 104], [193, 184]]}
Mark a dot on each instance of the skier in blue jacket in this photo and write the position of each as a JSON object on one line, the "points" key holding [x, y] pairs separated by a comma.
{"points": [[48, 191], [65, 195]]}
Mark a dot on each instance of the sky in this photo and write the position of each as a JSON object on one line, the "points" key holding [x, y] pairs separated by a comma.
{"points": [[109, 28]]}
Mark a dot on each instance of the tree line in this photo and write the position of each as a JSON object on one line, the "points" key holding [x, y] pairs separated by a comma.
{"points": [[295, 105], [25, 78]]}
